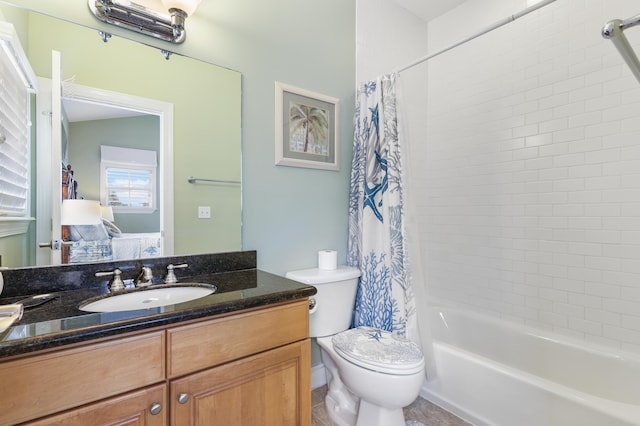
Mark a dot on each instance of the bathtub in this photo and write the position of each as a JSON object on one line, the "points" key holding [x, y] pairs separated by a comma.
{"points": [[494, 372]]}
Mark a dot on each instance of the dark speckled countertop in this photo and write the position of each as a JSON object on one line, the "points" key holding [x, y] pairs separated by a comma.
{"points": [[59, 322]]}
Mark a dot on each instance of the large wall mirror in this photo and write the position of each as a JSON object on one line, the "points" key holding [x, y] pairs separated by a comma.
{"points": [[206, 117]]}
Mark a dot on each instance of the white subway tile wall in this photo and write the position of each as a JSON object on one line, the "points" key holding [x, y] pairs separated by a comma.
{"points": [[527, 183]]}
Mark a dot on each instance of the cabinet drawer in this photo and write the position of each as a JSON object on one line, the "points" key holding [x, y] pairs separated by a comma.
{"points": [[133, 408], [209, 343], [44, 384]]}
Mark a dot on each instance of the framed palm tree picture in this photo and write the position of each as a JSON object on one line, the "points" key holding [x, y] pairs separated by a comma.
{"points": [[306, 128]]}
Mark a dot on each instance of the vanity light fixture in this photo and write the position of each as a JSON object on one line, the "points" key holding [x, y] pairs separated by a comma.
{"points": [[139, 18]]}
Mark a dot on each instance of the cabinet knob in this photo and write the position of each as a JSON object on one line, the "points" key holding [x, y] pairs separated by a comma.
{"points": [[155, 408], [183, 398]]}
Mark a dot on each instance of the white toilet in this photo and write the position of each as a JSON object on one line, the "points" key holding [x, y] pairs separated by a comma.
{"points": [[371, 374]]}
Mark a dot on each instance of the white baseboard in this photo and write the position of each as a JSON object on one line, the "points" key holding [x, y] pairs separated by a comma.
{"points": [[318, 376]]}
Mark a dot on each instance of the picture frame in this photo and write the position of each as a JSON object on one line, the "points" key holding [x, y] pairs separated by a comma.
{"points": [[306, 128]]}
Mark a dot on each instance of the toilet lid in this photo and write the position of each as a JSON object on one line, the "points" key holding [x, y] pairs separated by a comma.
{"points": [[379, 350]]}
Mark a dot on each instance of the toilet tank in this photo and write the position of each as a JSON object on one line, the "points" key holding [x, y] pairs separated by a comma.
{"points": [[334, 300]]}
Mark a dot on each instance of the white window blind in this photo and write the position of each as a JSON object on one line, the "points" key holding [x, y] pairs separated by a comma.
{"points": [[129, 187], [16, 79], [128, 179]]}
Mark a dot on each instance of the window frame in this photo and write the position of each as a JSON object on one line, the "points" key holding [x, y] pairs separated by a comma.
{"points": [[117, 158]]}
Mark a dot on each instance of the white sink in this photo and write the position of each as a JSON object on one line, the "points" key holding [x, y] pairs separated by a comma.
{"points": [[148, 298]]}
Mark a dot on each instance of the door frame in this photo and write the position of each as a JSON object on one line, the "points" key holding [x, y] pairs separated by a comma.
{"points": [[164, 111]]}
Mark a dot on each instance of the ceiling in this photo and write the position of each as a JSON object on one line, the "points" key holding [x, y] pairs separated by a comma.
{"points": [[429, 9], [424, 9], [84, 111]]}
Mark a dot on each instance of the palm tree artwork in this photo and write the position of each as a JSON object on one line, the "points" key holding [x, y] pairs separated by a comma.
{"points": [[308, 129]]}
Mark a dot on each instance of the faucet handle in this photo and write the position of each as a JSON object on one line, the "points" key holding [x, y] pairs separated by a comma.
{"points": [[116, 283], [145, 278], [171, 276]]}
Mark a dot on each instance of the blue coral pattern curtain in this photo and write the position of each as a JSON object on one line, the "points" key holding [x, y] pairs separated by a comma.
{"points": [[377, 244]]}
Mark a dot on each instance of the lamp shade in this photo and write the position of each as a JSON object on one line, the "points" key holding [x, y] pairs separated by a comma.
{"points": [[107, 213], [80, 212], [188, 6]]}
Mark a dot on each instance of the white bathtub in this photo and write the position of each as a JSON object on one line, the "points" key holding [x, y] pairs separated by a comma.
{"points": [[493, 372]]}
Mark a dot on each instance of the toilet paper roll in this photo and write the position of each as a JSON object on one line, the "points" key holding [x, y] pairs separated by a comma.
{"points": [[327, 259]]}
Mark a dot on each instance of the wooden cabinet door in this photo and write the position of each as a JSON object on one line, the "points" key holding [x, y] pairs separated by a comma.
{"points": [[272, 388], [146, 407]]}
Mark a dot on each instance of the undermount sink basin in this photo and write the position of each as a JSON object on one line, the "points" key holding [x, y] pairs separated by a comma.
{"points": [[148, 298]]}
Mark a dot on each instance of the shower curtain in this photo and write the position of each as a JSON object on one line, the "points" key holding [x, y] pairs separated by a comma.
{"points": [[377, 243]]}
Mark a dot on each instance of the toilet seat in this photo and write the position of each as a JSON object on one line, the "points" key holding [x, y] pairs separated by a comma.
{"points": [[379, 350]]}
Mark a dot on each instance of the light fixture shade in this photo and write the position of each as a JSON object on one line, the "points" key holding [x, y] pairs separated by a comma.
{"points": [[107, 213], [80, 212], [188, 6]]}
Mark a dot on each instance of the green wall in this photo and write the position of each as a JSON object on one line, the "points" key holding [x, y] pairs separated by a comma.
{"points": [[14, 249], [288, 214]]}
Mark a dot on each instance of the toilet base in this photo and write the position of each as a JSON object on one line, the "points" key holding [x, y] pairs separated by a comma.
{"points": [[341, 404], [374, 415], [339, 414]]}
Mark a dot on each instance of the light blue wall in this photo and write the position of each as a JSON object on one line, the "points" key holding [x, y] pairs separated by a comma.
{"points": [[288, 213]]}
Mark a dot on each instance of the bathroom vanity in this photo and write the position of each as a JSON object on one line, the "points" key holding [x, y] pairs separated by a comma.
{"points": [[238, 356]]}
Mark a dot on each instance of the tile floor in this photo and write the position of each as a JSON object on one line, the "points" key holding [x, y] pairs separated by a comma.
{"points": [[421, 410]]}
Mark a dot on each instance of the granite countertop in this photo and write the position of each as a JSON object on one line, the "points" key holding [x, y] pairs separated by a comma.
{"points": [[59, 322]]}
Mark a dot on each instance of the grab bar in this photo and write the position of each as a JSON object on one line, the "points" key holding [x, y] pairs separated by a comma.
{"points": [[192, 179], [613, 30]]}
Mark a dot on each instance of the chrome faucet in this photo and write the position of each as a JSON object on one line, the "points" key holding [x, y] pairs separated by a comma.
{"points": [[171, 276], [145, 278], [116, 283]]}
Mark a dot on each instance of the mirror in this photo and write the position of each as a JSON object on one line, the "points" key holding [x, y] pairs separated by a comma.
{"points": [[206, 103], [90, 124]]}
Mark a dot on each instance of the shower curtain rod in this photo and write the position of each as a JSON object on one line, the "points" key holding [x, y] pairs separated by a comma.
{"points": [[490, 28], [613, 30]]}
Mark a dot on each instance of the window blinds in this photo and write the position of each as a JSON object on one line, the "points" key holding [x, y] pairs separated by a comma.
{"points": [[14, 137], [128, 179], [14, 129]]}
